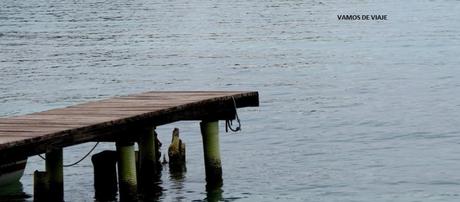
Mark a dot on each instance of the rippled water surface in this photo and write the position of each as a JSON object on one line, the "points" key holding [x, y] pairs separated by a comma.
{"points": [[350, 110]]}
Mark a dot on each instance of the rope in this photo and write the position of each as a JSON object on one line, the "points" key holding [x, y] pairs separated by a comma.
{"points": [[77, 162], [229, 123]]}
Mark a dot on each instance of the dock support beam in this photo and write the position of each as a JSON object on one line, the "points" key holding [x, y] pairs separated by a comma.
{"points": [[54, 170], [147, 159], [213, 167], [127, 171]]}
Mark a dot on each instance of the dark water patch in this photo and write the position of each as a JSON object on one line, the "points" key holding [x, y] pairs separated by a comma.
{"points": [[13, 192]]}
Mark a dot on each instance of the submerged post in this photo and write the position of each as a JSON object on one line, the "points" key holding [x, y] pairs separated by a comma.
{"points": [[147, 159], [54, 170], [127, 171], [105, 175], [176, 153], [41, 186], [213, 167]]}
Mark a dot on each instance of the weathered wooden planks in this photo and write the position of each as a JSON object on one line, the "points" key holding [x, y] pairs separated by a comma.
{"points": [[113, 119]]}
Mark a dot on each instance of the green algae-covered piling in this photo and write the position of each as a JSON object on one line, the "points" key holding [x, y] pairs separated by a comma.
{"points": [[127, 171], [147, 159], [54, 169], [105, 175], [213, 167]]}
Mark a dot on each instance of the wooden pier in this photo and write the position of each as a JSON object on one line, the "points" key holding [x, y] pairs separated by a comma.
{"points": [[123, 120]]}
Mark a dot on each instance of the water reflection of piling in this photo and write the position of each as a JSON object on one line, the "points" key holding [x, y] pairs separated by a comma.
{"points": [[152, 193], [177, 178], [213, 194]]}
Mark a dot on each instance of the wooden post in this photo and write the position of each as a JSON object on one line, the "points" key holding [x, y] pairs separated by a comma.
{"points": [[213, 168], [127, 171], [147, 159], [41, 186], [54, 169], [176, 153], [105, 175]]}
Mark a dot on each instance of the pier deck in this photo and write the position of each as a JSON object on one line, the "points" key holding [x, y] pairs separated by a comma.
{"points": [[115, 119]]}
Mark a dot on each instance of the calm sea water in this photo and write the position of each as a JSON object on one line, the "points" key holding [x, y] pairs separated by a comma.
{"points": [[350, 110]]}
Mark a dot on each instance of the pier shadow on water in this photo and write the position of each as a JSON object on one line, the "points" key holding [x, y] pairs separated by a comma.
{"points": [[13, 192]]}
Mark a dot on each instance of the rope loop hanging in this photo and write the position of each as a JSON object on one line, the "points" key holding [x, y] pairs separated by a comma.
{"points": [[77, 162], [229, 123]]}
